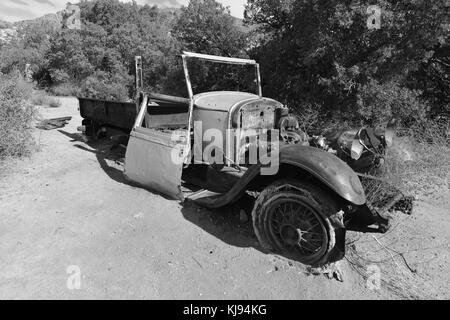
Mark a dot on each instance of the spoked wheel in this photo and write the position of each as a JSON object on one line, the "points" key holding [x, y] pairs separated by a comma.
{"points": [[297, 228], [298, 220]]}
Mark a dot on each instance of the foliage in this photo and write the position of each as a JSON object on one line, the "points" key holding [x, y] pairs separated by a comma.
{"points": [[40, 98], [206, 26], [65, 90], [99, 59], [323, 52], [312, 53], [16, 116], [433, 79], [377, 103], [102, 85], [30, 46], [5, 25]]}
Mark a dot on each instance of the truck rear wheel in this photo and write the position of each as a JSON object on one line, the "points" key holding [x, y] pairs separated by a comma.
{"points": [[300, 221]]}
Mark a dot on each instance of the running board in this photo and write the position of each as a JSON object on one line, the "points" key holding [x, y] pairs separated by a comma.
{"points": [[215, 200], [203, 197]]}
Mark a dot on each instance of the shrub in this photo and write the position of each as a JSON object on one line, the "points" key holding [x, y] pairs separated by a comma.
{"points": [[54, 103], [5, 25], [435, 131], [419, 161], [59, 76], [40, 98], [102, 85], [16, 116], [377, 103], [65, 90]]}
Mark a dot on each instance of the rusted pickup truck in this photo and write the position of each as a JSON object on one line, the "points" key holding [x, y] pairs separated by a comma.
{"points": [[214, 147]]}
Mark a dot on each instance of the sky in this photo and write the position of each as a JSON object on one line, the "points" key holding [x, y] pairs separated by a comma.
{"points": [[15, 10]]}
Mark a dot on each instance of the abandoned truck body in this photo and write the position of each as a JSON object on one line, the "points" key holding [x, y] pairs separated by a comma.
{"points": [[203, 149]]}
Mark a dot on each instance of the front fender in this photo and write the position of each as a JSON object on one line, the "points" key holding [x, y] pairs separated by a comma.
{"points": [[327, 168], [324, 166]]}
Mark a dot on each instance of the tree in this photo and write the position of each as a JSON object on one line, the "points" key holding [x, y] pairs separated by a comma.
{"points": [[206, 26], [323, 52], [5, 24], [29, 46], [68, 53], [99, 58]]}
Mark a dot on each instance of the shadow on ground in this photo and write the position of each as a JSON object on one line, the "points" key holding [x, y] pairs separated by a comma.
{"points": [[104, 150], [227, 223]]}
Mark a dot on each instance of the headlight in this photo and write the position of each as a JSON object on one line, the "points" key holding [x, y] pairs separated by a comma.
{"points": [[389, 133], [356, 150]]}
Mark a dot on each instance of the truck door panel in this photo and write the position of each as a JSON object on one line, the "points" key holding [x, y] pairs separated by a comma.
{"points": [[149, 158], [166, 115]]}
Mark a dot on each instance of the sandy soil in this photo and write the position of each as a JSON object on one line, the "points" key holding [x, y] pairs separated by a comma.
{"points": [[68, 205]]}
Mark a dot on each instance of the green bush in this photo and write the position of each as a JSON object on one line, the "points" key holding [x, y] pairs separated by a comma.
{"points": [[16, 116]]}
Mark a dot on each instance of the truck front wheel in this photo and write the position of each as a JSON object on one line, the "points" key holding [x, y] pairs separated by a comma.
{"points": [[300, 221]]}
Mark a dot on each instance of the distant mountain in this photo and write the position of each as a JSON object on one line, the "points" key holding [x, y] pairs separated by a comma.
{"points": [[5, 25], [51, 18], [9, 30]]}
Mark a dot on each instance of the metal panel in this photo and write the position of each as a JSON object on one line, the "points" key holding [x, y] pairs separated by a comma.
{"points": [[219, 58], [113, 113], [150, 161], [221, 100]]}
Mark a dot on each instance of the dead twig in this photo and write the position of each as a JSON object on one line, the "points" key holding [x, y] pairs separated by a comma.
{"points": [[389, 251], [406, 263]]}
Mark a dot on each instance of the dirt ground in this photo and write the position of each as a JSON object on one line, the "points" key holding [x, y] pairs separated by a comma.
{"points": [[69, 205]]}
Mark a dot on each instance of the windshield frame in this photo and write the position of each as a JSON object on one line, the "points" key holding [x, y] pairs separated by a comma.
{"points": [[219, 59]]}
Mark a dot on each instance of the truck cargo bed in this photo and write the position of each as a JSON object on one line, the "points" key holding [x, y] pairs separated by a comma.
{"points": [[112, 113], [121, 115]]}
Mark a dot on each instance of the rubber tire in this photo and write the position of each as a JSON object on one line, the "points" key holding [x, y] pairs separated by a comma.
{"points": [[325, 205], [89, 132]]}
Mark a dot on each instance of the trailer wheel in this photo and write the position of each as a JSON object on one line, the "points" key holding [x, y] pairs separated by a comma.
{"points": [[89, 127], [300, 221]]}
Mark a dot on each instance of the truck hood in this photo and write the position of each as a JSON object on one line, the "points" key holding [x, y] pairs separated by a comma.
{"points": [[221, 100]]}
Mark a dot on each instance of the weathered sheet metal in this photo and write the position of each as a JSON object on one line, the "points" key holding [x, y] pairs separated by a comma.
{"points": [[328, 168], [114, 113], [219, 59], [213, 58], [324, 166], [150, 161], [221, 101]]}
